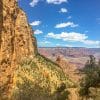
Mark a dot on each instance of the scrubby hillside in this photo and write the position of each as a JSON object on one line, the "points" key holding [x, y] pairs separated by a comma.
{"points": [[24, 73]]}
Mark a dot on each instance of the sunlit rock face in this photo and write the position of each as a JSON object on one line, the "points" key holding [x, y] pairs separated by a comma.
{"points": [[16, 41]]}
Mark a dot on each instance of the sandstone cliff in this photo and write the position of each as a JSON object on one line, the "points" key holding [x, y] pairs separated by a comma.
{"points": [[15, 39], [24, 74]]}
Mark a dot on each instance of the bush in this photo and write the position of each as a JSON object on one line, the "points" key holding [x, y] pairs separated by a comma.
{"points": [[92, 76], [30, 91], [61, 93]]}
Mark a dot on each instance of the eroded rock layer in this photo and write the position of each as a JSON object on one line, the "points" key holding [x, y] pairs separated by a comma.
{"points": [[16, 41]]}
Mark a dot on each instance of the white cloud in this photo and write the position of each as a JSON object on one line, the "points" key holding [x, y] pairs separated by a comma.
{"points": [[67, 24], [63, 10], [69, 17], [38, 32], [34, 3], [73, 37], [47, 42], [63, 45], [68, 45], [35, 23], [56, 1], [91, 42], [44, 43], [58, 44]]}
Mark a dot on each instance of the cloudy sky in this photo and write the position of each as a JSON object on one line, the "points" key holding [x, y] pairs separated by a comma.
{"points": [[66, 23]]}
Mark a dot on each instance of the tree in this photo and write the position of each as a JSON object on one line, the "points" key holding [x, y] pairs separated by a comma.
{"points": [[90, 65], [92, 76]]}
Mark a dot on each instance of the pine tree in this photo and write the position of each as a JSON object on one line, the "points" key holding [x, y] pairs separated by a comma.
{"points": [[92, 76]]}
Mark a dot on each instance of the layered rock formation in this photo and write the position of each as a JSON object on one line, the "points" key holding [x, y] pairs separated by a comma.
{"points": [[24, 74], [69, 69], [15, 39], [16, 35]]}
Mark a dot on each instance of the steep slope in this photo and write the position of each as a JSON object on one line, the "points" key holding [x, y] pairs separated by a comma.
{"points": [[16, 40], [73, 74], [69, 69], [24, 74]]}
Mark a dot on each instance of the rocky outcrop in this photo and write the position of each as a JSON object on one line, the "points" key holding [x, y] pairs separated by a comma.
{"points": [[16, 35], [16, 41]]}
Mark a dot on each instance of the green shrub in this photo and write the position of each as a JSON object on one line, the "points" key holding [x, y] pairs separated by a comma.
{"points": [[92, 76]]}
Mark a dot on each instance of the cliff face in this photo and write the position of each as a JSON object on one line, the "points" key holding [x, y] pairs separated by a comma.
{"points": [[24, 74], [16, 35], [16, 41], [69, 69]]}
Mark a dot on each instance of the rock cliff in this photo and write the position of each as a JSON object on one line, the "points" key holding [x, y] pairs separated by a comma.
{"points": [[24, 74], [15, 39]]}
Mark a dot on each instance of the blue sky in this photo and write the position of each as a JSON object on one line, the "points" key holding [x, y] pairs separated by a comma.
{"points": [[66, 23]]}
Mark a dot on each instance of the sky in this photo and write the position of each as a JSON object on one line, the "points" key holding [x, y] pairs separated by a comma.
{"points": [[64, 23]]}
